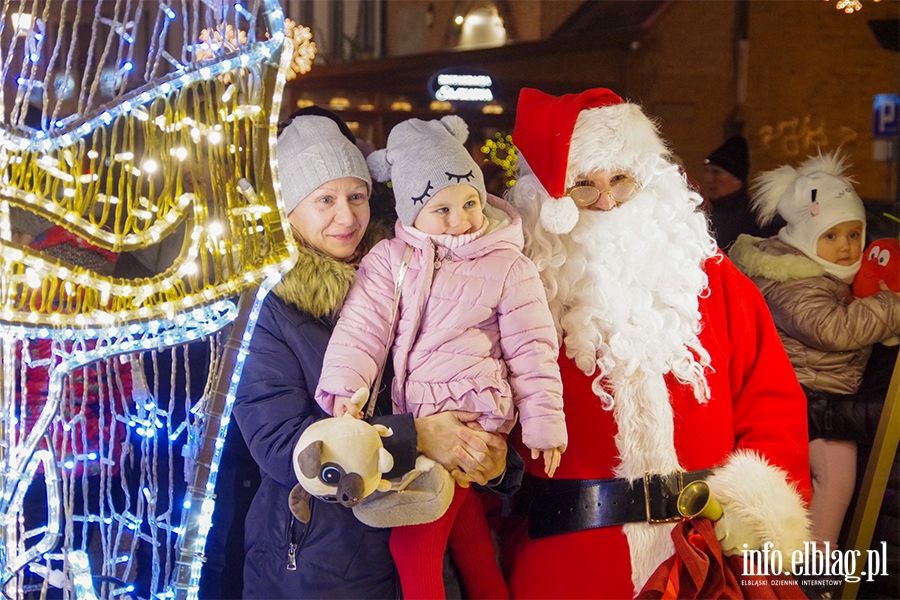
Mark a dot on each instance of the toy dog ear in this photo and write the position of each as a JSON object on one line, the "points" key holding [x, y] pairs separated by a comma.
{"points": [[298, 501], [310, 459], [383, 430], [385, 461], [384, 486]]}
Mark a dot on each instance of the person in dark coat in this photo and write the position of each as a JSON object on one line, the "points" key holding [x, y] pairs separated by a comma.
{"points": [[326, 187], [724, 187]]}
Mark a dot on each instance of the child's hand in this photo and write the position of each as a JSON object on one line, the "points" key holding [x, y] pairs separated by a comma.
{"points": [[884, 287], [551, 459], [344, 406], [352, 405]]}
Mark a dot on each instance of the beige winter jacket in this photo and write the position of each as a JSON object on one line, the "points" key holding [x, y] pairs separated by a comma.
{"points": [[827, 334]]}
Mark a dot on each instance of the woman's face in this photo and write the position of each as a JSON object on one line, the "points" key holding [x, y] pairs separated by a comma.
{"points": [[333, 218]]}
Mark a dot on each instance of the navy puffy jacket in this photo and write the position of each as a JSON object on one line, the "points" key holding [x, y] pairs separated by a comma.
{"points": [[336, 556]]}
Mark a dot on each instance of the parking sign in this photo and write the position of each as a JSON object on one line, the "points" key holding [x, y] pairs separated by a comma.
{"points": [[887, 115]]}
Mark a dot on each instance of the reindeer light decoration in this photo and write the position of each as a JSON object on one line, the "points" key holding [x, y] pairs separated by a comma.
{"points": [[142, 130]]}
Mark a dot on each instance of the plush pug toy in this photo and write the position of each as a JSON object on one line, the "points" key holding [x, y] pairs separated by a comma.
{"points": [[342, 459]]}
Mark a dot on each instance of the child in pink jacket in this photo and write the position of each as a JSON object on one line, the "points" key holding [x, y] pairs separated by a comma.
{"points": [[473, 333]]}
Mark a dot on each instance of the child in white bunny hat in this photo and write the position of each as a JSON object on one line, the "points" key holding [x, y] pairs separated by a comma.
{"points": [[805, 274], [473, 334]]}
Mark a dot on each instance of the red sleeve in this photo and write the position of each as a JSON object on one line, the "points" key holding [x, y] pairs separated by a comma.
{"points": [[769, 406]]}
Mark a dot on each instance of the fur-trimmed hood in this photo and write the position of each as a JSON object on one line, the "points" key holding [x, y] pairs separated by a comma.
{"points": [[772, 259], [318, 284]]}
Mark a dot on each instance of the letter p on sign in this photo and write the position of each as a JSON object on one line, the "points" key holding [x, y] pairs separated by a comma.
{"points": [[887, 115]]}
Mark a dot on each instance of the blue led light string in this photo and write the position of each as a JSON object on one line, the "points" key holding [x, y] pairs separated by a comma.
{"points": [[200, 501], [143, 331], [139, 337], [51, 535]]}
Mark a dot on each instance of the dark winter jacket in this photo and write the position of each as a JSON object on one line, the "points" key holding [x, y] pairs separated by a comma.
{"points": [[730, 216], [335, 556]]}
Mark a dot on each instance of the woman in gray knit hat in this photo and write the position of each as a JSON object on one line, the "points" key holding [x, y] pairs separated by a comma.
{"points": [[325, 186], [473, 334]]}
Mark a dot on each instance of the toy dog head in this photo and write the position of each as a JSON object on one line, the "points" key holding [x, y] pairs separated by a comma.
{"points": [[341, 460]]}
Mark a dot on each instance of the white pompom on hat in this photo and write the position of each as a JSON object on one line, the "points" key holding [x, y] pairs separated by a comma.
{"points": [[812, 199], [569, 136]]}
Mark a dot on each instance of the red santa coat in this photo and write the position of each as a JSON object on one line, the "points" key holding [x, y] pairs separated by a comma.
{"points": [[756, 406]]}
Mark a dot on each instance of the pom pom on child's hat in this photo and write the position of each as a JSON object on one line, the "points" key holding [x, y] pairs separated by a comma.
{"points": [[812, 198], [564, 137], [421, 159]]}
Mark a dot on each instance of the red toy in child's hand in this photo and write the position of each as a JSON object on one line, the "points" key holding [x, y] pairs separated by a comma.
{"points": [[881, 262]]}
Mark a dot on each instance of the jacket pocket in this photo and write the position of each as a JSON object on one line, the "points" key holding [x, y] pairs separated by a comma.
{"points": [[337, 542]]}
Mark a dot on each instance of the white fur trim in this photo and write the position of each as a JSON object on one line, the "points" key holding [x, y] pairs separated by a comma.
{"points": [[646, 443], [559, 215], [611, 138], [753, 262], [649, 546], [759, 496]]}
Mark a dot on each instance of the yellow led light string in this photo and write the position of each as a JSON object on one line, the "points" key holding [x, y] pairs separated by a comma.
{"points": [[220, 259], [218, 159]]}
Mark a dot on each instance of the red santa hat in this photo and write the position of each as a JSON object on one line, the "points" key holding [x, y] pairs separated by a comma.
{"points": [[563, 137]]}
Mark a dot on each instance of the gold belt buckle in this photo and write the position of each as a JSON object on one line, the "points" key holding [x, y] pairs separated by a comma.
{"points": [[650, 519]]}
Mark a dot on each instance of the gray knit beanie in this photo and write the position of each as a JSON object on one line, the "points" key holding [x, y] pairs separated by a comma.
{"points": [[312, 151], [422, 158]]}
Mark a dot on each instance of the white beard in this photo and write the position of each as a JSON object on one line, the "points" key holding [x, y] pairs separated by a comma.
{"points": [[623, 289]]}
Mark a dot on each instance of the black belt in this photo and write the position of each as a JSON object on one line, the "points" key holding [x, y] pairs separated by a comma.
{"points": [[564, 506]]}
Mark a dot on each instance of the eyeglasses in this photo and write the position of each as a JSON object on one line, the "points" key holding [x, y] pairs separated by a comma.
{"points": [[585, 192]]}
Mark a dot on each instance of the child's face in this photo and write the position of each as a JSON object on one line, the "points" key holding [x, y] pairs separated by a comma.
{"points": [[454, 210], [842, 244]]}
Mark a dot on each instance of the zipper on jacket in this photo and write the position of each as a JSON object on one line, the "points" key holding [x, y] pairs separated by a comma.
{"points": [[292, 557], [293, 546]]}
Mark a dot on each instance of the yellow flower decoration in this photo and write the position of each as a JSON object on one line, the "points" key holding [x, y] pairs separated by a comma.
{"points": [[501, 151], [212, 43]]}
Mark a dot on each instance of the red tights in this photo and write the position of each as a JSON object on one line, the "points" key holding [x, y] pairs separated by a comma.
{"points": [[418, 551]]}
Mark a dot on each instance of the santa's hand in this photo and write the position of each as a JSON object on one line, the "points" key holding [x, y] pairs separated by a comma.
{"points": [[736, 536]]}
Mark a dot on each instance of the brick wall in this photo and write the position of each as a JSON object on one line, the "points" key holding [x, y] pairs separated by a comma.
{"points": [[812, 76]]}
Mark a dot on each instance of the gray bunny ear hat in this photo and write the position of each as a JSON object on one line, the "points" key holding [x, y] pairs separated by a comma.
{"points": [[422, 158], [312, 151]]}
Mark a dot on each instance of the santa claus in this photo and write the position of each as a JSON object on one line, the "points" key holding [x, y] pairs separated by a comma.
{"points": [[672, 368]]}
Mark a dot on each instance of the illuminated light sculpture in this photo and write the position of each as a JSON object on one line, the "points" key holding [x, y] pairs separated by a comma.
{"points": [[131, 156]]}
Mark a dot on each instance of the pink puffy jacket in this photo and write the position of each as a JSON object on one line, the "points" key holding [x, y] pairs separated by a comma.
{"points": [[473, 333]]}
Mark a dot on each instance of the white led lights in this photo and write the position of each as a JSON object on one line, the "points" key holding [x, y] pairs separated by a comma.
{"points": [[161, 192]]}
